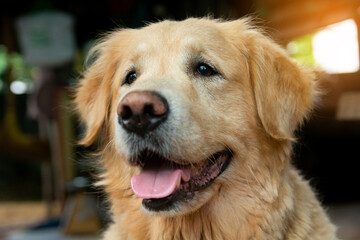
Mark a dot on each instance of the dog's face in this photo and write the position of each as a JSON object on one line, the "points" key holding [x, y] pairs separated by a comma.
{"points": [[182, 104]]}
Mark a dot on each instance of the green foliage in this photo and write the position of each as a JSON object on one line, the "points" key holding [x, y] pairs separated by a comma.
{"points": [[3, 66], [301, 50]]}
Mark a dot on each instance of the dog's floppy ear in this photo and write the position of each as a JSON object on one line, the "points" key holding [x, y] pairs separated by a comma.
{"points": [[93, 93], [284, 91]]}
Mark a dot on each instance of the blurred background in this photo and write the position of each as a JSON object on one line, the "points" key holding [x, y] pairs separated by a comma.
{"points": [[45, 178]]}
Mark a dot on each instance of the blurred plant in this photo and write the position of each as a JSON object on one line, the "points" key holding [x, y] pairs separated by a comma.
{"points": [[20, 81], [21, 75], [301, 50], [3, 65]]}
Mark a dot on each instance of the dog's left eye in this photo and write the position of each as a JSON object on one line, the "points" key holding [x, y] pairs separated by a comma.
{"points": [[130, 78], [205, 70]]}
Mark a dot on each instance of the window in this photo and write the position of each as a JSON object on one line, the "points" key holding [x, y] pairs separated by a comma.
{"points": [[335, 48]]}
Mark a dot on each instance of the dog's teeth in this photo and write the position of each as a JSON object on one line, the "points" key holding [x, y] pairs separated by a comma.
{"points": [[178, 182]]}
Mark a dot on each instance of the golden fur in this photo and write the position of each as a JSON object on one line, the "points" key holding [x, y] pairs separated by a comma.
{"points": [[253, 110]]}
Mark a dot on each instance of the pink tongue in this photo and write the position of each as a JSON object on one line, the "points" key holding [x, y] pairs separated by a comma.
{"points": [[158, 183]]}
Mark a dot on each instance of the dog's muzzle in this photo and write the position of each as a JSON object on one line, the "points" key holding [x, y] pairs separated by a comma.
{"points": [[164, 179]]}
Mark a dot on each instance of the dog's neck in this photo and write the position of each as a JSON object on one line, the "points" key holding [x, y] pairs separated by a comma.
{"points": [[219, 220]]}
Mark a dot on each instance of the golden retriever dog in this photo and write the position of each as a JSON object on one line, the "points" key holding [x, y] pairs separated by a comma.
{"points": [[196, 121]]}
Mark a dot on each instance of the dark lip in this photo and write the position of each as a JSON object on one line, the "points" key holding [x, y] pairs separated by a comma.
{"points": [[188, 190]]}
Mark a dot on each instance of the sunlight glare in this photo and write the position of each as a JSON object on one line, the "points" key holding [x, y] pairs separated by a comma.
{"points": [[335, 48]]}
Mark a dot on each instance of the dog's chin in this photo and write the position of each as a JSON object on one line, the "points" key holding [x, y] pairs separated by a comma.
{"points": [[192, 186], [184, 207]]}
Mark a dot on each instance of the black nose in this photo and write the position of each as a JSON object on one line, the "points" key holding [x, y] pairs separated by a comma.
{"points": [[142, 111]]}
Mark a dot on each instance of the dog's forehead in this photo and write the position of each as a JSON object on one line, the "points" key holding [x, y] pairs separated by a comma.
{"points": [[193, 34]]}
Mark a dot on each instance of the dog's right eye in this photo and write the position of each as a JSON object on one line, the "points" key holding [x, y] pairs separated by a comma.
{"points": [[130, 78], [205, 70]]}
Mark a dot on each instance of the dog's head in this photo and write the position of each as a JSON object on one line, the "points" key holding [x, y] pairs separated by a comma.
{"points": [[183, 105]]}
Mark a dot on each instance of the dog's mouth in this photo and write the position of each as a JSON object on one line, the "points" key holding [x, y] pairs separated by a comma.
{"points": [[163, 182]]}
